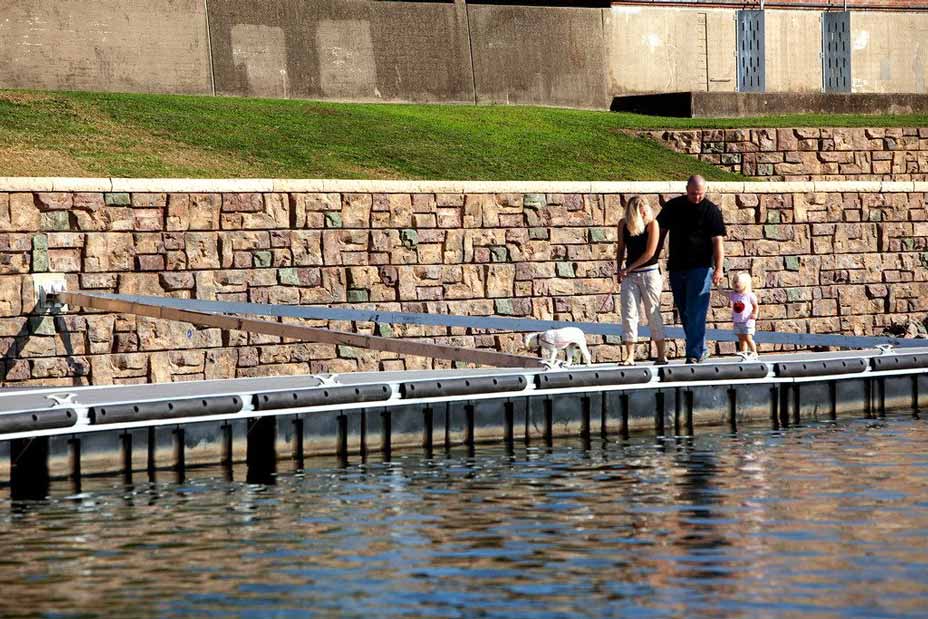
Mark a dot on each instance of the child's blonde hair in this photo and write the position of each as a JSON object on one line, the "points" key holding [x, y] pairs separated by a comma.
{"points": [[634, 221], [742, 279]]}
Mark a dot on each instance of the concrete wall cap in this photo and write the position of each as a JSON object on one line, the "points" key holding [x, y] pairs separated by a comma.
{"points": [[638, 187], [795, 187], [192, 185], [330, 185], [780, 187], [526, 187], [426, 186], [897, 186], [23, 183], [257, 185], [365, 186], [82, 184], [848, 186], [298, 185], [725, 187]]}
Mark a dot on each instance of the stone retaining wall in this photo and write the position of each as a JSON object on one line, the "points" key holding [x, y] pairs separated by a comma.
{"points": [[826, 258], [808, 154]]}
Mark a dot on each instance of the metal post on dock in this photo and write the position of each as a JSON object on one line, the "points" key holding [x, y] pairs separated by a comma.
{"points": [[29, 478], [151, 446], [585, 409], [469, 436], [297, 450], [623, 428], [180, 462], [677, 411], [509, 415], [125, 447], [261, 450], [774, 407], [363, 438], [915, 403], [659, 413], [868, 398], [341, 438], [797, 400], [833, 400], [605, 402], [688, 410], [428, 429], [447, 421], [548, 421], [881, 396], [74, 462], [733, 409], [225, 458], [785, 393], [386, 435]]}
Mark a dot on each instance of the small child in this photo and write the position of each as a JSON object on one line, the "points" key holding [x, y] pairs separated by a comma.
{"points": [[744, 311]]}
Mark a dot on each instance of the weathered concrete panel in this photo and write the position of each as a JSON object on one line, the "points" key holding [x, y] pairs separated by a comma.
{"points": [[341, 49], [793, 43], [347, 68], [261, 51], [113, 45], [538, 55], [722, 41], [670, 50], [422, 51], [889, 53]]}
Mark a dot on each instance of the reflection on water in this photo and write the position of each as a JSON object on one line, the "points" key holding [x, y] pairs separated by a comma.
{"points": [[822, 521]]}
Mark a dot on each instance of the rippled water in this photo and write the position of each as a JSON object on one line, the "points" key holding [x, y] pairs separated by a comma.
{"points": [[821, 521]]}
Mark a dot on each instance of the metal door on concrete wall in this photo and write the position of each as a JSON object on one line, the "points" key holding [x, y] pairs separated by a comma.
{"points": [[836, 51], [750, 51]]}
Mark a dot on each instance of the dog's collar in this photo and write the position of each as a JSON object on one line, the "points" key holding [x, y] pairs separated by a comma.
{"points": [[541, 339]]}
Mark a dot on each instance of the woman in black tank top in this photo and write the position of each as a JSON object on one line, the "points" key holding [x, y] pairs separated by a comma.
{"points": [[639, 248]]}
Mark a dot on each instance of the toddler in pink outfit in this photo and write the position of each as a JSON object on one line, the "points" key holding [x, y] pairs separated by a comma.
{"points": [[744, 311]]}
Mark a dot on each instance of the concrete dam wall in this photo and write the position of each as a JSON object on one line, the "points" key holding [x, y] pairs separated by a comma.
{"points": [[453, 52]]}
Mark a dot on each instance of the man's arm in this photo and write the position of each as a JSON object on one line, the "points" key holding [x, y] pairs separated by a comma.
{"points": [[718, 258]]}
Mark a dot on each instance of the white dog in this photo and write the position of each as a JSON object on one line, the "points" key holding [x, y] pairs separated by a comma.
{"points": [[552, 341]]}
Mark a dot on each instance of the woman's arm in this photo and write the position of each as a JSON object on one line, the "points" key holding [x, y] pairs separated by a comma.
{"points": [[620, 251]]}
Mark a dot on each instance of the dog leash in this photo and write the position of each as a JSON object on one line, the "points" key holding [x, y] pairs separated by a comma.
{"points": [[606, 301], [608, 296]]}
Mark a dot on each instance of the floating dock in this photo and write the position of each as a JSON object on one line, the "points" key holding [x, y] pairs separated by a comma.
{"points": [[69, 433]]}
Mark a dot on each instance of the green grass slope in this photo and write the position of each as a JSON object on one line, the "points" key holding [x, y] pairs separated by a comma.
{"points": [[130, 135]]}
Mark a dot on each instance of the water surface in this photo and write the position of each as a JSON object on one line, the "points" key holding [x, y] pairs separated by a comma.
{"points": [[822, 521]]}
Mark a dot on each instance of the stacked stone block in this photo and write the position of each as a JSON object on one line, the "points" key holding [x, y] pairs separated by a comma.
{"points": [[851, 261], [806, 154]]}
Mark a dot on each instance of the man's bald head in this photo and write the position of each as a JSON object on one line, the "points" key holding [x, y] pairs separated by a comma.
{"points": [[695, 189]]}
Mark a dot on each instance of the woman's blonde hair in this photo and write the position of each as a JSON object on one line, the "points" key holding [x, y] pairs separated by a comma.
{"points": [[744, 279], [634, 221]]}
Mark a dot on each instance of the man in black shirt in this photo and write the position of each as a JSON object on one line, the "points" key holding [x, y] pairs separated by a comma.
{"points": [[697, 251]]}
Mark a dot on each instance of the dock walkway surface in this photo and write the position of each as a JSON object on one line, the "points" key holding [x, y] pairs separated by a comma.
{"points": [[62, 432]]}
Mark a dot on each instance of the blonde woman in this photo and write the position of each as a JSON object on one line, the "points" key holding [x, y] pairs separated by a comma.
{"points": [[639, 247]]}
